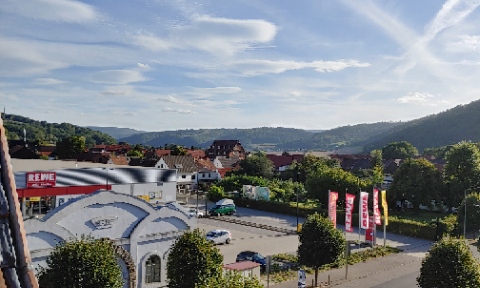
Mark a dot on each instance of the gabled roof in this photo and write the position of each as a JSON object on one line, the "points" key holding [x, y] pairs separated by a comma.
{"points": [[205, 164], [184, 164], [196, 153], [362, 164], [240, 266], [120, 160], [228, 162], [284, 160], [223, 171]]}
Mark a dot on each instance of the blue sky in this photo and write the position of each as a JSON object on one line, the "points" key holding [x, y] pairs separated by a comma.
{"points": [[174, 64]]}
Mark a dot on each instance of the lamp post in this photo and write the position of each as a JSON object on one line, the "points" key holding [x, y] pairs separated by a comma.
{"points": [[298, 173]]}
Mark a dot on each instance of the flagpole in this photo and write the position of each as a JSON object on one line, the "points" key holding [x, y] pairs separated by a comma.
{"points": [[359, 217]]}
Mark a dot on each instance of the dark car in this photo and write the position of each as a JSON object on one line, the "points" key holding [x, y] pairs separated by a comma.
{"points": [[254, 257]]}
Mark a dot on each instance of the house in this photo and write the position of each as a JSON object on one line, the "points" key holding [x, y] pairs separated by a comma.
{"points": [[118, 160], [186, 171], [226, 162], [196, 153], [47, 151], [281, 162], [113, 149], [225, 148], [22, 152], [207, 172], [247, 269], [93, 157]]}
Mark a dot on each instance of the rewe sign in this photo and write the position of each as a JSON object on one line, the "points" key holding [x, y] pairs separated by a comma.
{"points": [[41, 179]]}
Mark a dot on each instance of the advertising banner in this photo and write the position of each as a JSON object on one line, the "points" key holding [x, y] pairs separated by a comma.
{"points": [[385, 206], [332, 207], [348, 212], [41, 179], [376, 210], [364, 210], [369, 233]]}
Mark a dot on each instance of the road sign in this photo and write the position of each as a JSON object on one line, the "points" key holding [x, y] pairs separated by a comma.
{"points": [[302, 278]]}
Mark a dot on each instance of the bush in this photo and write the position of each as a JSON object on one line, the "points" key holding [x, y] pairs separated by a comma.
{"points": [[215, 193]]}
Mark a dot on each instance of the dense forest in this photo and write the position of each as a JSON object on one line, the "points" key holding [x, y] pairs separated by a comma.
{"points": [[50, 132], [204, 137], [442, 129], [116, 132], [339, 137]]}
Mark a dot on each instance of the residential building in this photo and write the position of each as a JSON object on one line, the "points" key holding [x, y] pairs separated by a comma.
{"points": [[281, 162], [186, 171], [207, 172], [226, 162], [22, 152], [226, 148]]}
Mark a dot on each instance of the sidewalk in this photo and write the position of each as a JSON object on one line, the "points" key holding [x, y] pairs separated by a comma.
{"points": [[371, 272]]}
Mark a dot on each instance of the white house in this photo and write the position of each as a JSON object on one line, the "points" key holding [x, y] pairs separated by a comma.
{"points": [[141, 234], [186, 170]]}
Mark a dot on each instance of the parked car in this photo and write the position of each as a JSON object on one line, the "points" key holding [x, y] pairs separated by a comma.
{"points": [[195, 213], [222, 207], [219, 236], [254, 257]]}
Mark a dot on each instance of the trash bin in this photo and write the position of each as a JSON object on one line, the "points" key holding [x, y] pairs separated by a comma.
{"points": [[299, 228]]}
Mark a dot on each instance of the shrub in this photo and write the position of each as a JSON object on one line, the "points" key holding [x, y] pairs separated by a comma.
{"points": [[215, 193]]}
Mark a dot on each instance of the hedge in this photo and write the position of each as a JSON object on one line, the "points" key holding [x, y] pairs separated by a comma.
{"points": [[395, 225]]}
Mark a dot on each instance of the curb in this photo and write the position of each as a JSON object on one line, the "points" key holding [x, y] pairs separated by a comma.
{"points": [[255, 225]]}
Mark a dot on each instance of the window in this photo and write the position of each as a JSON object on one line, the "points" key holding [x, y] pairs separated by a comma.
{"points": [[193, 177], [161, 165], [152, 269], [184, 176], [203, 175]]}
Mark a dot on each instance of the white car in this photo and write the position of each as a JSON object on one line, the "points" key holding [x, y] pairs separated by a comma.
{"points": [[219, 236], [195, 213]]}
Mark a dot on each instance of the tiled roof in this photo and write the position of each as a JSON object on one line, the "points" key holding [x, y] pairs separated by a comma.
{"points": [[240, 266], [228, 162], [162, 152], [184, 164], [284, 160], [196, 153], [223, 171], [205, 164], [120, 160], [362, 164]]}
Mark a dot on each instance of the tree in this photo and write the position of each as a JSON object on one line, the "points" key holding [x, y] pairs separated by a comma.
{"points": [[449, 263], [179, 151], [377, 158], [193, 261], [320, 243], [473, 213], [399, 150], [418, 181], [215, 193], [462, 172], [86, 262], [231, 280], [256, 165], [135, 153], [70, 147]]}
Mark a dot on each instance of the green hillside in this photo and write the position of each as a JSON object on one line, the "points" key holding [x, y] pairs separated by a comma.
{"points": [[115, 132], [344, 136], [51, 132], [204, 137], [445, 128]]}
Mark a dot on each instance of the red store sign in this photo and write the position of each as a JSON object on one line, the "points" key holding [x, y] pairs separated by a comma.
{"points": [[41, 179]]}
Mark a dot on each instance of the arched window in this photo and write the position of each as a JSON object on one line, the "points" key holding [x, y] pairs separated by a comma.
{"points": [[152, 269]]}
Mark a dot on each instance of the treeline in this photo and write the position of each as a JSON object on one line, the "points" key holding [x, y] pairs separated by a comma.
{"points": [[45, 133]]}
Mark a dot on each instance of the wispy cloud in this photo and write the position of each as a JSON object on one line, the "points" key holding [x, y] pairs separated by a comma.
{"points": [[415, 97], [466, 44], [171, 110], [218, 90], [171, 99], [50, 10], [48, 81], [214, 35], [145, 66], [118, 77]]}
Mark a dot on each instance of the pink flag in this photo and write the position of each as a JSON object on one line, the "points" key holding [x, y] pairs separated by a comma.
{"points": [[332, 207], [376, 210], [348, 212], [364, 210]]}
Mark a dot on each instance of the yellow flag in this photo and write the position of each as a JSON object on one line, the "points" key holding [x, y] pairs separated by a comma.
{"points": [[385, 206]]}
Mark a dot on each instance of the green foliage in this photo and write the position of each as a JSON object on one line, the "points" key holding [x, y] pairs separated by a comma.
{"points": [[462, 172], [231, 280], [179, 151], [410, 228], [193, 261], [43, 157], [473, 213], [51, 133], [301, 171], [256, 165], [70, 147], [418, 181], [399, 150], [438, 152], [320, 243], [215, 193], [87, 262], [377, 157], [338, 137], [135, 153], [449, 263]]}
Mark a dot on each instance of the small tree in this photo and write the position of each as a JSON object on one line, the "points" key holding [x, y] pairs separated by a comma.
{"points": [[179, 151], [86, 262], [215, 193], [473, 213], [193, 261], [70, 147], [256, 165], [449, 264], [399, 150], [231, 280], [320, 243]]}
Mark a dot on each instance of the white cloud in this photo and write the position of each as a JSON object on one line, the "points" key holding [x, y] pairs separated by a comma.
{"points": [[48, 81], [118, 77], [466, 44], [214, 35], [140, 65], [219, 90], [171, 99], [258, 67], [296, 93], [415, 97], [125, 113], [50, 10], [177, 111]]}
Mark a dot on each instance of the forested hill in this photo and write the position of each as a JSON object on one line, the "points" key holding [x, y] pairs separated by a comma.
{"points": [[339, 137], [51, 132], [204, 137], [445, 128], [115, 132]]}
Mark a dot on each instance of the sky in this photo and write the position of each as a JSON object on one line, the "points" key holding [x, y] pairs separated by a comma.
{"points": [[160, 65]]}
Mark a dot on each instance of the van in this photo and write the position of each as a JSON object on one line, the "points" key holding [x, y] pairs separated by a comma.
{"points": [[222, 207]]}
